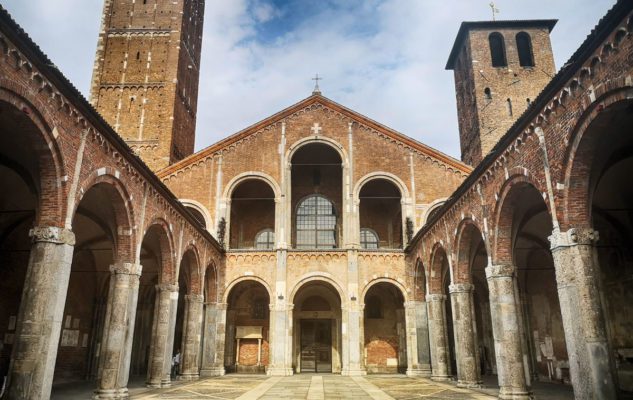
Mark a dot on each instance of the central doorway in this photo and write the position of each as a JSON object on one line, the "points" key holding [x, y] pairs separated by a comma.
{"points": [[316, 337], [316, 345]]}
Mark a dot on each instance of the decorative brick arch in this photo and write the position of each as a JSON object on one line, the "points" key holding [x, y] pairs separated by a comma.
{"points": [[167, 271], [196, 205], [503, 217], [211, 283], [237, 281], [435, 276], [419, 280], [463, 257], [394, 282], [404, 191], [579, 160], [318, 139], [435, 204], [317, 276], [251, 175], [50, 157], [192, 273], [125, 242]]}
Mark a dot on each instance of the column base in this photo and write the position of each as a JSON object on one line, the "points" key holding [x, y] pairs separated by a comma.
{"points": [[121, 393], [353, 372], [188, 376], [279, 371], [441, 378], [509, 394], [469, 384], [217, 371], [424, 373]]}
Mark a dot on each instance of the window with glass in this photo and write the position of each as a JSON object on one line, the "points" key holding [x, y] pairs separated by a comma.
{"points": [[265, 240], [368, 239], [316, 223]]}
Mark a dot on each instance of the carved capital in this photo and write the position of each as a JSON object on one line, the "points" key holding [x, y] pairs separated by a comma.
{"points": [[573, 237], [52, 234], [194, 298], [461, 288], [500, 271], [126, 269], [166, 287], [435, 297]]}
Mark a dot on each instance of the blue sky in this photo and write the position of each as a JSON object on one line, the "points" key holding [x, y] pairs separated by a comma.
{"points": [[382, 58]]}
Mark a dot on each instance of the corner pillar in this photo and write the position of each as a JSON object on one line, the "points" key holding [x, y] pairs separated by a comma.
{"points": [[214, 338], [438, 337], [506, 331], [41, 313], [191, 338], [468, 374], [418, 356], [161, 346], [583, 320]]}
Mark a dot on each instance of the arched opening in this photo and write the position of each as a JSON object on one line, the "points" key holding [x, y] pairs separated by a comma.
{"points": [[472, 259], [525, 224], [197, 215], [380, 215], [252, 211], [497, 50], [606, 150], [385, 346], [317, 197], [317, 328], [21, 175], [247, 328], [524, 48], [155, 258], [209, 347], [99, 216]]}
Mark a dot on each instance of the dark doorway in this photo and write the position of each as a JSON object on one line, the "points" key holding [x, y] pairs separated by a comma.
{"points": [[316, 345]]}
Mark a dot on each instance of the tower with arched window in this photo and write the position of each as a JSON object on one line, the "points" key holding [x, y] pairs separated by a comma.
{"points": [[498, 66]]}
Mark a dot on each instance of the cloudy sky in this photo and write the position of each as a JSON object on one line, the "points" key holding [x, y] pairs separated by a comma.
{"points": [[382, 58]]}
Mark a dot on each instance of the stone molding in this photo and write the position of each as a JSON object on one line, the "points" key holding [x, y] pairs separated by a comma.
{"points": [[435, 297], [461, 288], [573, 237], [52, 234], [167, 287], [500, 271], [125, 268], [194, 298]]}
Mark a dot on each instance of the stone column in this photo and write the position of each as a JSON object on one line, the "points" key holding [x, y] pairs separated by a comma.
{"points": [[213, 362], [507, 335], [208, 340], [352, 322], [280, 363], [41, 313], [438, 337], [160, 348], [468, 374], [583, 321], [191, 337], [413, 366], [421, 352], [114, 357]]}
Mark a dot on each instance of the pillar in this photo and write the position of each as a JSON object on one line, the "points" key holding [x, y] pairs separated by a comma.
{"points": [[352, 323], [214, 336], [41, 312], [417, 335], [468, 374], [577, 280], [115, 353], [191, 337], [438, 337], [506, 332], [160, 350], [280, 334]]}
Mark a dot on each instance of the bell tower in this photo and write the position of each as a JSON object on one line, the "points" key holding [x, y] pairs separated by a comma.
{"points": [[145, 77], [499, 67]]}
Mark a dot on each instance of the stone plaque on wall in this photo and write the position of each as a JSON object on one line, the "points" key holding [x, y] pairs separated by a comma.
{"points": [[248, 332]]}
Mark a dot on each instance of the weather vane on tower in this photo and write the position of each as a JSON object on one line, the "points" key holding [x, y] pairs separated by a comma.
{"points": [[316, 80], [494, 9]]}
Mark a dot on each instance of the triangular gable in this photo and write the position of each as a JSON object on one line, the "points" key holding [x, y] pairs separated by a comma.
{"points": [[324, 101]]}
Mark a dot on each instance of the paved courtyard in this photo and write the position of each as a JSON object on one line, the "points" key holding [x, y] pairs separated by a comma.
{"points": [[313, 387]]}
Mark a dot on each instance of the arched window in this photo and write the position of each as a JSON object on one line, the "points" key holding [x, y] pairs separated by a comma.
{"points": [[265, 240], [316, 223], [368, 239], [497, 50], [524, 47]]}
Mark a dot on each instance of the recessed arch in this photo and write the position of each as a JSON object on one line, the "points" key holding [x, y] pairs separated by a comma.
{"points": [[433, 207], [237, 281], [316, 276], [395, 282], [248, 175], [296, 146], [252, 208], [202, 210], [402, 187]]}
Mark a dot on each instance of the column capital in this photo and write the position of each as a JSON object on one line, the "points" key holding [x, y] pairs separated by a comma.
{"points": [[194, 298], [435, 297], [125, 268], [573, 237], [499, 271], [221, 306], [461, 288], [52, 234], [166, 287]]}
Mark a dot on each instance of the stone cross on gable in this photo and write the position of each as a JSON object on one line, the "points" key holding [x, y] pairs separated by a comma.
{"points": [[316, 128]]}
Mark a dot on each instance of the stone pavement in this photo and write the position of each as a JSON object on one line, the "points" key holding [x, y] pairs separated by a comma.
{"points": [[314, 387]]}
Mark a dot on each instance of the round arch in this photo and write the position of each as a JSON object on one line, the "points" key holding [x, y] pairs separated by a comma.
{"points": [[404, 191], [211, 296], [435, 205], [292, 149], [245, 176], [392, 281], [195, 278], [167, 273], [236, 281], [196, 205], [461, 267], [316, 276], [435, 274]]}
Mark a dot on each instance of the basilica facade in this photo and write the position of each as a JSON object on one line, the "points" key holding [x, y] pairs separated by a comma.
{"points": [[317, 240]]}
